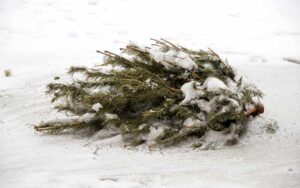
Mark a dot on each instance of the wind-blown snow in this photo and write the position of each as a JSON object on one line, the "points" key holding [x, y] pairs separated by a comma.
{"points": [[41, 39]]}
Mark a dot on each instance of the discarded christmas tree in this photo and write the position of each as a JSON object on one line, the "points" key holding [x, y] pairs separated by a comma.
{"points": [[182, 92]]}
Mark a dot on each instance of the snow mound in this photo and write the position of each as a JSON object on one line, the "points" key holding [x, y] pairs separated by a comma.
{"points": [[191, 90], [214, 84]]}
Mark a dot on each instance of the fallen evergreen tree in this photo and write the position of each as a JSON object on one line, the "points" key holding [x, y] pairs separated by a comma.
{"points": [[183, 93]]}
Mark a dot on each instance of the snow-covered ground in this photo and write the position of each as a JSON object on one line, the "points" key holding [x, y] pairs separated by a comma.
{"points": [[41, 39]]}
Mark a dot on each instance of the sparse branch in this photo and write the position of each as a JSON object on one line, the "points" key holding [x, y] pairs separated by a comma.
{"points": [[173, 45]]}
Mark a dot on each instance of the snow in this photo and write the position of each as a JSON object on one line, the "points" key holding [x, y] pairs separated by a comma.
{"points": [[154, 133], [65, 119], [190, 92], [173, 58], [111, 116], [76, 105], [191, 122], [202, 104], [150, 83], [78, 86], [96, 107], [41, 39], [214, 84], [183, 60], [257, 100], [87, 117]]}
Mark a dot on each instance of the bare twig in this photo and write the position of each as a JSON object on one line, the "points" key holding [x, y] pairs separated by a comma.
{"points": [[103, 53], [155, 45], [173, 45], [214, 52], [159, 42], [219, 58]]}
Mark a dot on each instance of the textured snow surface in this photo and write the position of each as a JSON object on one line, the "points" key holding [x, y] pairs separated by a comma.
{"points": [[41, 39]]}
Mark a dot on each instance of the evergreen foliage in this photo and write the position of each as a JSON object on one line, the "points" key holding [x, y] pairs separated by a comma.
{"points": [[145, 89]]}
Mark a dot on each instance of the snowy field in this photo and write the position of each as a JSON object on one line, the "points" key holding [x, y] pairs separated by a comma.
{"points": [[41, 39]]}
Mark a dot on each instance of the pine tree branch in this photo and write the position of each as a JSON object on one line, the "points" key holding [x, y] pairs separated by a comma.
{"points": [[159, 42], [106, 54], [227, 67], [173, 45]]}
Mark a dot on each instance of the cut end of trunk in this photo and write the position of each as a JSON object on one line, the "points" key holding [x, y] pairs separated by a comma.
{"points": [[258, 109]]}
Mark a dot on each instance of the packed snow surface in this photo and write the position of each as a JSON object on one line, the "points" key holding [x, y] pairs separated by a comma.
{"points": [[41, 39]]}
